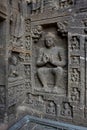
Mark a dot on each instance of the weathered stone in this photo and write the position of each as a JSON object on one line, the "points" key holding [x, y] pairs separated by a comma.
{"points": [[43, 60]]}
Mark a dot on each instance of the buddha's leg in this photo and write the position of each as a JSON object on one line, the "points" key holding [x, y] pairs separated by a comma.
{"points": [[58, 72], [42, 72]]}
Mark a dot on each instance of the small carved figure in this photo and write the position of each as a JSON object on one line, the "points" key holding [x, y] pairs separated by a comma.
{"points": [[37, 33], [5, 118], [27, 70], [41, 99], [51, 108], [75, 77], [75, 95], [62, 28], [27, 57], [75, 45], [13, 68], [30, 99], [27, 84], [75, 60], [66, 110], [21, 56], [50, 59], [27, 44], [18, 28]]}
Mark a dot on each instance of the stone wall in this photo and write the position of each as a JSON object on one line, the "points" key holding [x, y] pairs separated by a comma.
{"points": [[45, 60]]}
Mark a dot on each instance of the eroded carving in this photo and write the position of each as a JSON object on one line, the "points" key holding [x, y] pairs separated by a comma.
{"points": [[35, 6], [75, 43], [75, 75], [13, 68], [30, 99], [27, 57], [28, 71], [37, 33], [66, 110], [12, 95], [21, 57], [27, 76], [40, 6], [62, 29], [36, 102], [65, 3], [27, 84], [75, 60], [27, 28], [17, 25], [28, 42], [50, 59], [51, 109], [75, 95]]}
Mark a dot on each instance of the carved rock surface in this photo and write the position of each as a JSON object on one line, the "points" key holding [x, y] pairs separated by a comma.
{"points": [[43, 60]]}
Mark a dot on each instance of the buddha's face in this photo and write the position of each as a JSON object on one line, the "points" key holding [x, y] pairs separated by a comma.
{"points": [[49, 42]]}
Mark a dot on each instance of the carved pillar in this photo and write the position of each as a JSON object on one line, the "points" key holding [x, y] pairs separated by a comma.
{"points": [[76, 68], [28, 58]]}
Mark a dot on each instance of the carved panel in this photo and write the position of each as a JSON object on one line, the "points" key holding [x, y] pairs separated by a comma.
{"points": [[28, 59], [75, 60], [41, 6], [66, 110], [75, 45], [27, 27], [49, 63], [27, 43], [36, 102], [46, 67], [76, 65], [16, 92], [16, 88], [75, 95], [51, 108], [28, 76], [75, 75]]}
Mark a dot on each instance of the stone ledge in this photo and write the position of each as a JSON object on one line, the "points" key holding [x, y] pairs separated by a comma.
{"points": [[44, 122]]}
